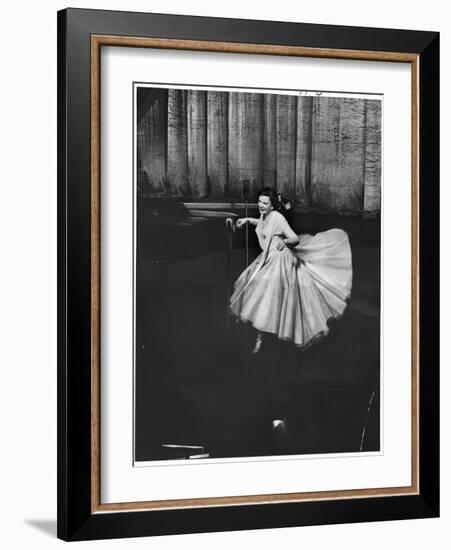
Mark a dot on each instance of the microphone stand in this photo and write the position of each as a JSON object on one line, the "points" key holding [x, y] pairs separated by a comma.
{"points": [[246, 194], [230, 228]]}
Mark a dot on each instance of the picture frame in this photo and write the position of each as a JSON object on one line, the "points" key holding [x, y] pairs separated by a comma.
{"points": [[81, 36]]}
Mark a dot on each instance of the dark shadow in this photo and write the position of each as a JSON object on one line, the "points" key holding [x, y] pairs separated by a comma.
{"points": [[47, 526], [198, 385]]}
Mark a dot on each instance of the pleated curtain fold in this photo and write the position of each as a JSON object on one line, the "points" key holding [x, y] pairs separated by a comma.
{"points": [[322, 153]]}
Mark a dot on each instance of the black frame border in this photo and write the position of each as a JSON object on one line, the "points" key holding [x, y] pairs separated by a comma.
{"points": [[75, 520]]}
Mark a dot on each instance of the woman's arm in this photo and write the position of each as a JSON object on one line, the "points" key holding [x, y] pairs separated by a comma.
{"points": [[243, 221], [292, 240]]}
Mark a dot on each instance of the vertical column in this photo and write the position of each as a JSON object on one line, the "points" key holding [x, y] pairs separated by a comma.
{"points": [[234, 138], [151, 140], [197, 142], [177, 167], [338, 155], [325, 151], [217, 109], [269, 141], [372, 173], [303, 185], [286, 144], [245, 141], [252, 153]]}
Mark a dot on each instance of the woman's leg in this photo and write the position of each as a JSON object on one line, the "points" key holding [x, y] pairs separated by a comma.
{"points": [[258, 342]]}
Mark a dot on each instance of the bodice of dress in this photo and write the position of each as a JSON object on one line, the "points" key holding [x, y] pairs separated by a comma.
{"points": [[261, 237], [268, 237], [266, 229]]}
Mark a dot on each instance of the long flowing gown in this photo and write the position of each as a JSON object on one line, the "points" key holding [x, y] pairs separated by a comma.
{"points": [[294, 292]]}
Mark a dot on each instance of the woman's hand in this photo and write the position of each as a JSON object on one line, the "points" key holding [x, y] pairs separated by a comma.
{"points": [[241, 222], [281, 244]]}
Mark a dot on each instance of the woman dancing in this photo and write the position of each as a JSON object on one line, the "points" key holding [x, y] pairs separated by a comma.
{"points": [[297, 283]]}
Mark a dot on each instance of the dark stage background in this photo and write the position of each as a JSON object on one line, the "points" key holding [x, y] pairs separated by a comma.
{"points": [[197, 381]]}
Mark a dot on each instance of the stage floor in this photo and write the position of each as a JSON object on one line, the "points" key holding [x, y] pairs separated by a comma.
{"points": [[198, 383]]}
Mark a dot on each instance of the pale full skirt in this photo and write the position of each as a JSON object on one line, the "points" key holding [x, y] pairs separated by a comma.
{"points": [[295, 292]]}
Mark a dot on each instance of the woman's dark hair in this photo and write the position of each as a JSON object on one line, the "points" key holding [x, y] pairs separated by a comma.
{"points": [[279, 203], [273, 197]]}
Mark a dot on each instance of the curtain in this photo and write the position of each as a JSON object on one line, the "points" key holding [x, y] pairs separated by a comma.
{"points": [[322, 153]]}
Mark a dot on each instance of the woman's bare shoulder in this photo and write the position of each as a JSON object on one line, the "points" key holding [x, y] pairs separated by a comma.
{"points": [[278, 216]]}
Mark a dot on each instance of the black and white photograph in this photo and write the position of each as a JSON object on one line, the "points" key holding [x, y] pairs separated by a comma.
{"points": [[225, 282], [257, 273]]}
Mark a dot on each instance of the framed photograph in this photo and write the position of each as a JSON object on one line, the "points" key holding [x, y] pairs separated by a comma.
{"points": [[248, 274]]}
